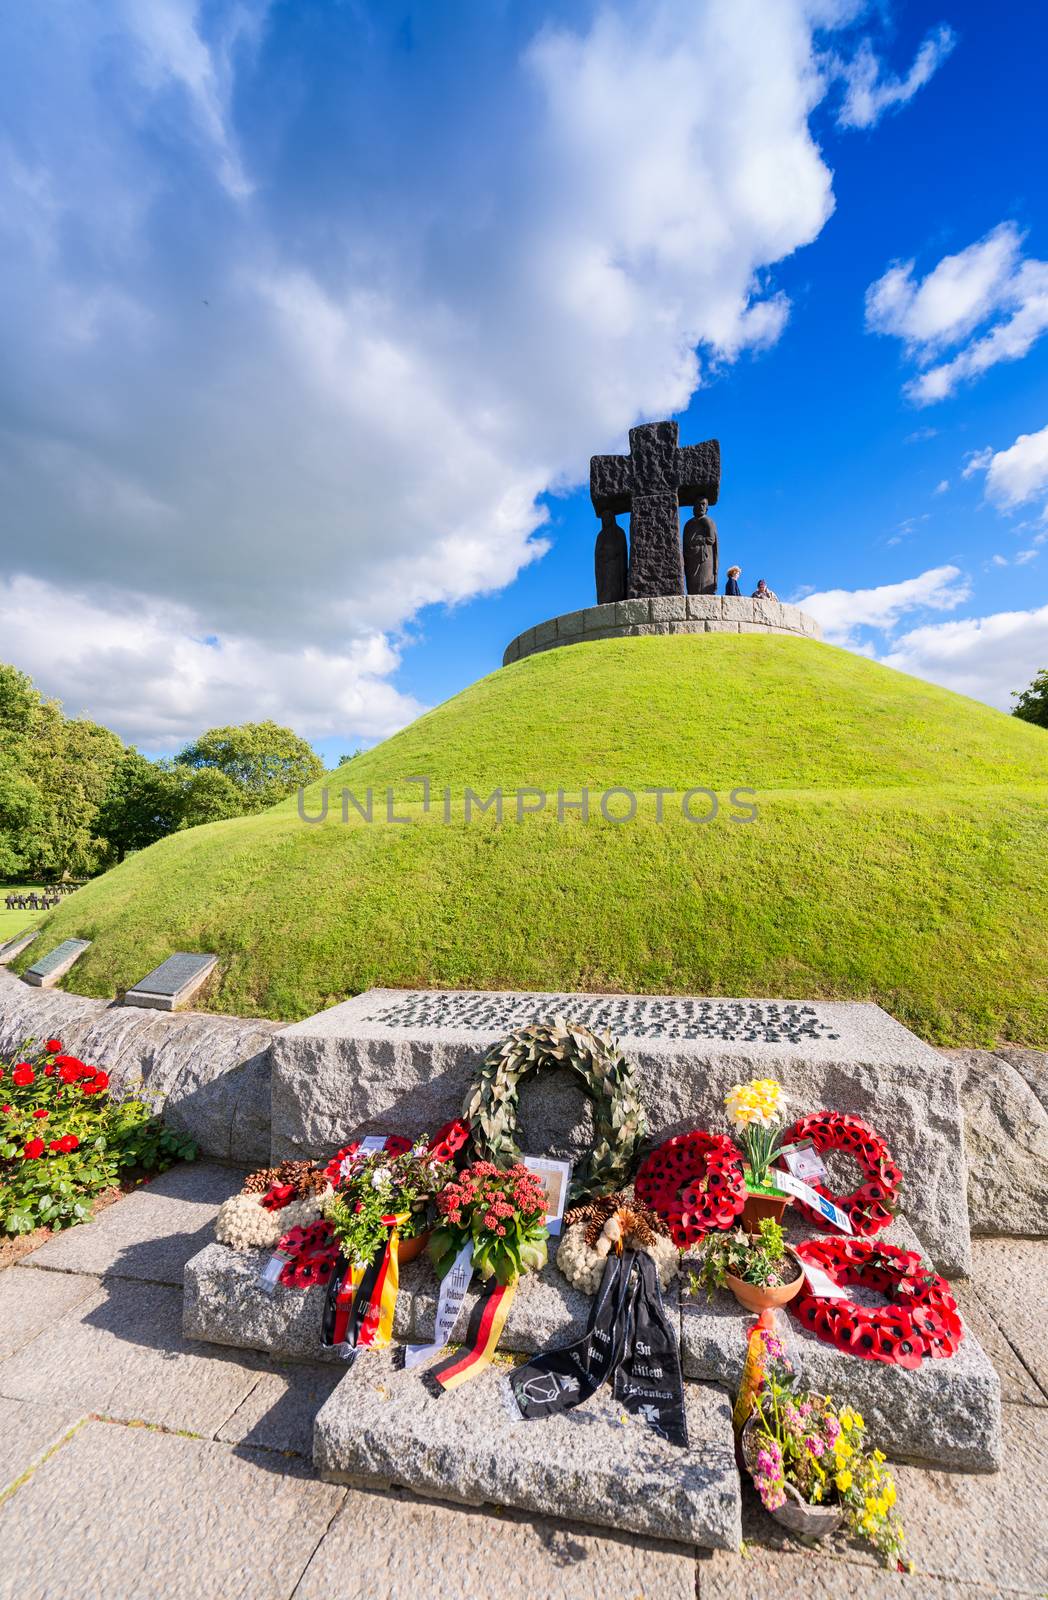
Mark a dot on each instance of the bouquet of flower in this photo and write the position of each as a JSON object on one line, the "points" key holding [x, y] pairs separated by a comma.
{"points": [[379, 1190], [763, 1261], [756, 1110], [503, 1214], [801, 1441]]}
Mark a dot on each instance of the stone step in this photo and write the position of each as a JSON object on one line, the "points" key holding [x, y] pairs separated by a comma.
{"points": [[948, 1413], [382, 1427]]}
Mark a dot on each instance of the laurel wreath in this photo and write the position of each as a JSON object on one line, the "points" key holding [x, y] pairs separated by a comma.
{"points": [[619, 1123]]}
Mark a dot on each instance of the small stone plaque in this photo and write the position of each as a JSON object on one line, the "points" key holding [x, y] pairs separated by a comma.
{"points": [[15, 946], [173, 983], [45, 973]]}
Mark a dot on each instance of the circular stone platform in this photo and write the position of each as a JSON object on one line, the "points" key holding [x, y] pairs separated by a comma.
{"points": [[672, 613]]}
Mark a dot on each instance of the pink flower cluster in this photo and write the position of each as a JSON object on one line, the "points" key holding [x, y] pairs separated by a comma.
{"points": [[496, 1197]]}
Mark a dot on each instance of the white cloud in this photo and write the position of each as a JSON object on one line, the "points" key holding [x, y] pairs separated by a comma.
{"points": [[1024, 556], [841, 612], [942, 486], [1016, 475], [988, 286], [145, 667], [985, 657], [871, 91], [272, 378]]}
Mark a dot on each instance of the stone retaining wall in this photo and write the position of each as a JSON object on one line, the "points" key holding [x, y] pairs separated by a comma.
{"points": [[693, 613], [208, 1074]]}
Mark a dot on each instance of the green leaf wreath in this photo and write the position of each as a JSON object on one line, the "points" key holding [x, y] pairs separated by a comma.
{"points": [[608, 1078]]}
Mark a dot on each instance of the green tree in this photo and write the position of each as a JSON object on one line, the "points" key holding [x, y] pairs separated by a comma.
{"points": [[265, 761], [1032, 704], [208, 795], [146, 800]]}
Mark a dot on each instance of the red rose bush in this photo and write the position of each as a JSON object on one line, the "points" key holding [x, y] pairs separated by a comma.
{"points": [[64, 1138]]}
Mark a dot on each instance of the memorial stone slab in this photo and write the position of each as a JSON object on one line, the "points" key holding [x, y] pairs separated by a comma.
{"points": [[403, 1060], [15, 946], [173, 983], [383, 1427], [46, 972]]}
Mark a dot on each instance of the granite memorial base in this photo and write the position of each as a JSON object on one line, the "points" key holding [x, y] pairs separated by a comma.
{"points": [[14, 947], [381, 1427], [173, 983], [402, 1061], [945, 1414]]}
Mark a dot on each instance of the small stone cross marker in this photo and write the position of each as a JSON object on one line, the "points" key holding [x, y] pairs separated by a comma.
{"points": [[650, 483]]}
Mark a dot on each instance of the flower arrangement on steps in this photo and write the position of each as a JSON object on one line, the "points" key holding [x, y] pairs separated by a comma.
{"points": [[756, 1110], [64, 1138], [809, 1459], [760, 1270]]}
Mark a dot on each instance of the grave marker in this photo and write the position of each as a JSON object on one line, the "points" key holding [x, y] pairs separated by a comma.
{"points": [[173, 984], [46, 972]]}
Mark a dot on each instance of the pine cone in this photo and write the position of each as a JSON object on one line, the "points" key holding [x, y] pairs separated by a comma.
{"points": [[314, 1182], [260, 1181]]}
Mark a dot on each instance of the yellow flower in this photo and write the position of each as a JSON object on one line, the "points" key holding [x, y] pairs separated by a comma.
{"points": [[844, 1481], [845, 1419], [842, 1449], [857, 1421], [889, 1493]]}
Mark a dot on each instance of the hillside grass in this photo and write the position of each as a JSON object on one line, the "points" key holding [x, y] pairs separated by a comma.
{"points": [[898, 853]]}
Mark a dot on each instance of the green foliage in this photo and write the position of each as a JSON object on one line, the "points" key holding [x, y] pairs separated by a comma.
{"points": [[64, 1139], [1032, 704], [379, 1186], [762, 1259], [898, 854], [265, 761]]}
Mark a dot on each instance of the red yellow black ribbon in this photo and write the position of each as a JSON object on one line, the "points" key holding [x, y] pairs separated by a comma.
{"points": [[485, 1329]]}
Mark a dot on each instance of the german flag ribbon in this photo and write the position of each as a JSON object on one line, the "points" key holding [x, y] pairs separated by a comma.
{"points": [[485, 1329], [362, 1297]]}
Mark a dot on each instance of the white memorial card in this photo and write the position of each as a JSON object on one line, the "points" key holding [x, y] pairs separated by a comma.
{"points": [[556, 1177]]}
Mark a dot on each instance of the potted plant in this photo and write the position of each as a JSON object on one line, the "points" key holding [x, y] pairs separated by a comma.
{"points": [[760, 1271], [811, 1466], [380, 1191], [503, 1215], [756, 1110]]}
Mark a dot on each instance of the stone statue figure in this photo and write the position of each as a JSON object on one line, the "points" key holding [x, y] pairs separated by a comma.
{"points": [[609, 561], [700, 551]]}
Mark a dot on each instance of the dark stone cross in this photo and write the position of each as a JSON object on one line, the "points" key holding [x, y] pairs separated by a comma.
{"points": [[650, 483]]}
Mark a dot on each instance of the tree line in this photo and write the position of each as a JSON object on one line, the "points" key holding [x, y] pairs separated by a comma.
{"points": [[74, 799]]}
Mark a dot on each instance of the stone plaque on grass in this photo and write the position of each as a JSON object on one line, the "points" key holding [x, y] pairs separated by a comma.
{"points": [[46, 972], [173, 984], [15, 946]]}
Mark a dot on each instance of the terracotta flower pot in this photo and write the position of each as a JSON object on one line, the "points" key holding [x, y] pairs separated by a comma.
{"points": [[756, 1297], [796, 1515], [411, 1249], [759, 1206]]}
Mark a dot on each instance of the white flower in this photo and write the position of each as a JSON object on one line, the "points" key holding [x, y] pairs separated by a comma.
{"points": [[381, 1178]]}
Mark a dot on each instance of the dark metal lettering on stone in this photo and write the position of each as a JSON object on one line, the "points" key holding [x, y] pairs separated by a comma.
{"points": [[672, 1017], [174, 974]]}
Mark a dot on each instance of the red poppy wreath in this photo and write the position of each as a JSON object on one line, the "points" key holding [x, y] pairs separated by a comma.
{"points": [[311, 1251], [920, 1321], [872, 1205], [695, 1183]]}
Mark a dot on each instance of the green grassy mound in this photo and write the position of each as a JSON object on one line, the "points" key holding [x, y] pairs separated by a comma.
{"points": [[897, 855]]}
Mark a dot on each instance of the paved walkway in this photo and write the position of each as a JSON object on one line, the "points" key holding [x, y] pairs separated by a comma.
{"points": [[136, 1464]]}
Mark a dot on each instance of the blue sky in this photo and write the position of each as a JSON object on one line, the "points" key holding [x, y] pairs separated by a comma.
{"points": [[313, 314]]}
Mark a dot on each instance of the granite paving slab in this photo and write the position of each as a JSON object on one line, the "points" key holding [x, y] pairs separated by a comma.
{"points": [[1018, 1385], [813, 1575], [159, 1517], [1011, 1279], [31, 1301], [457, 1553], [224, 1304], [151, 1233], [280, 1411], [121, 1353], [382, 1427], [27, 1433], [403, 1060], [1006, 1138], [947, 1412]]}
